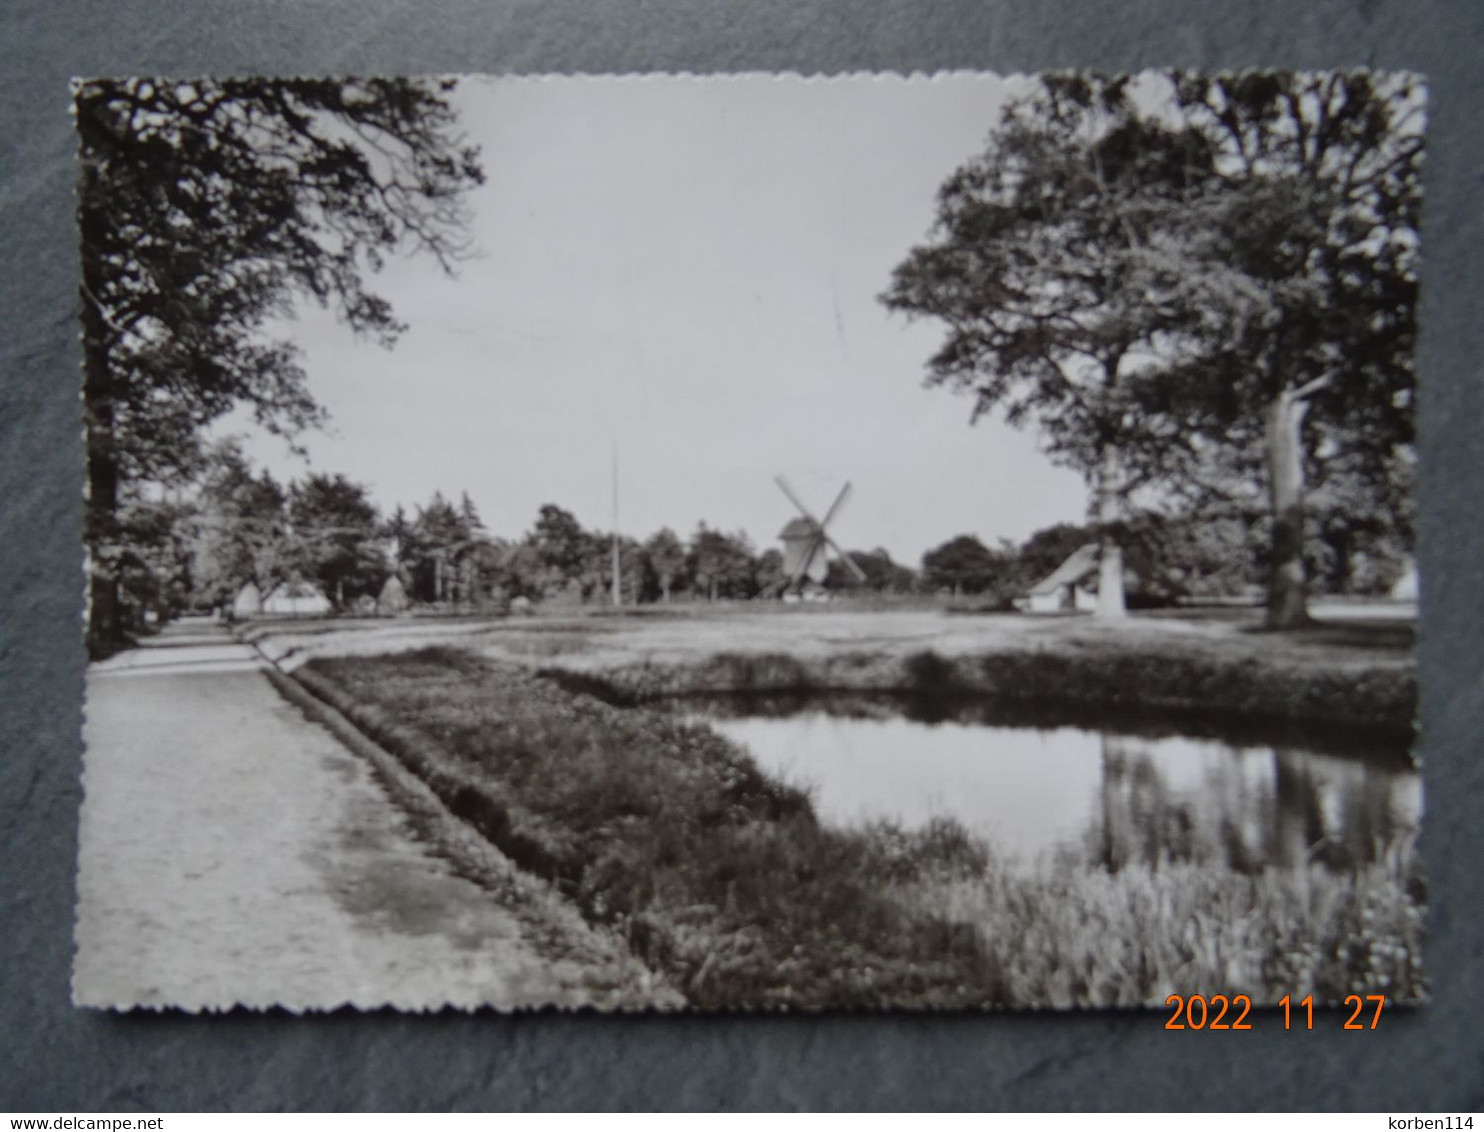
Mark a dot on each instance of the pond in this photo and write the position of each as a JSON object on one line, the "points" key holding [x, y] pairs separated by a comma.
{"points": [[1111, 794]]}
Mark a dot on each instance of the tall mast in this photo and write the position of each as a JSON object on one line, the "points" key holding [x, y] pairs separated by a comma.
{"points": [[617, 588]]}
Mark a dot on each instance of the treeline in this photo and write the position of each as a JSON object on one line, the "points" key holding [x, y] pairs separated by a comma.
{"points": [[196, 548]]}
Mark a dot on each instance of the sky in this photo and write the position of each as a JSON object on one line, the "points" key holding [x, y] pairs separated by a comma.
{"points": [[684, 272]]}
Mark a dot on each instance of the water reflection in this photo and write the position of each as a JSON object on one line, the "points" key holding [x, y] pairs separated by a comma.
{"points": [[1246, 807], [1120, 798]]}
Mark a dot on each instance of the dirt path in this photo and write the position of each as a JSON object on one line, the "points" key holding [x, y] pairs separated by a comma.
{"points": [[234, 852]]}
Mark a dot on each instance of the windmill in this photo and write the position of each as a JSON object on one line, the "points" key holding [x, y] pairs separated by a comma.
{"points": [[805, 540]]}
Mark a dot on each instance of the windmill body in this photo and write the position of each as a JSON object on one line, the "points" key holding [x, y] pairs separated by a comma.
{"points": [[803, 551]]}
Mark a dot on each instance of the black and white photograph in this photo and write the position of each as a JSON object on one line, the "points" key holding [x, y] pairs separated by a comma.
{"points": [[753, 542]]}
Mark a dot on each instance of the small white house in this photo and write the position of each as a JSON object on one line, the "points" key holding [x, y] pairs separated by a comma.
{"points": [[296, 599], [248, 602], [1405, 587], [1064, 590]]}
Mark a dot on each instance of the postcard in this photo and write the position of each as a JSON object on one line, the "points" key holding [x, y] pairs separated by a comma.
{"points": [[751, 542]]}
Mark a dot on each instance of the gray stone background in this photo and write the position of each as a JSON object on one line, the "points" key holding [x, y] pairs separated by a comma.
{"points": [[54, 1058]]}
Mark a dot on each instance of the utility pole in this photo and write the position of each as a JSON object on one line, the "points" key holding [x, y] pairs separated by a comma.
{"points": [[617, 587]]}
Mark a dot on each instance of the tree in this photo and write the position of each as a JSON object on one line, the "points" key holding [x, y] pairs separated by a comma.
{"points": [[521, 573], [963, 565], [155, 576], [469, 514], [595, 570], [334, 538], [205, 209], [241, 527], [563, 547], [1353, 543], [438, 536], [482, 572], [1171, 283], [721, 564], [881, 573], [1059, 261], [1321, 191], [768, 576], [1202, 554], [666, 558]]}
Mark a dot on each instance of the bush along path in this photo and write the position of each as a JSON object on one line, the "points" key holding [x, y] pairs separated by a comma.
{"points": [[724, 882]]}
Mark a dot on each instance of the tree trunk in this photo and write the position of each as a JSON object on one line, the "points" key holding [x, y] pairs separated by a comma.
{"points": [[1341, 568], [106, 630], [1288, 605], [1111, 602], [105, 619]]}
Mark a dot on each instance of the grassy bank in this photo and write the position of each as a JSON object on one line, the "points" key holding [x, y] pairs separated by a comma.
{"points": [[725, 881], [1079, 684], [717, 876]]}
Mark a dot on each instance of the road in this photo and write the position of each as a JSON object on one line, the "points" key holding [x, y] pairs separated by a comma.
{"points": [[233, 852]]}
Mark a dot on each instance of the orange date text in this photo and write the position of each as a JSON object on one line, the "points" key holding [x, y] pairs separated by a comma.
{"points": [[1229, 1012]]}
